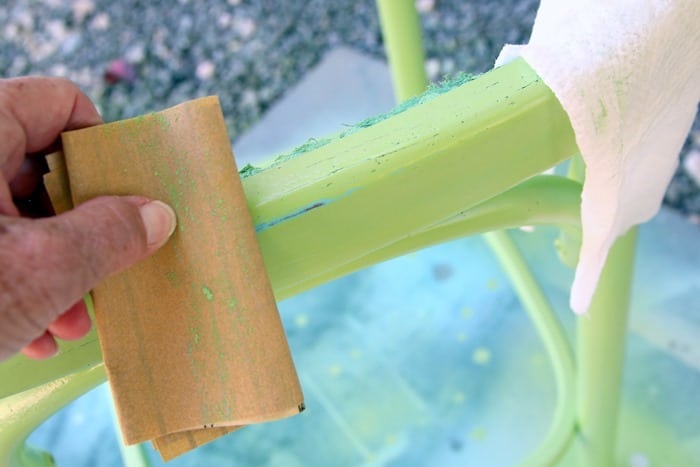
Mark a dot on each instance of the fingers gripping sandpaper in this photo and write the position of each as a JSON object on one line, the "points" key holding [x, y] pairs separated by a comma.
{"points": [[191, 337]]}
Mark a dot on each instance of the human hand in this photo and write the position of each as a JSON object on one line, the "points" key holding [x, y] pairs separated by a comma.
{"points": [[47, 264]]}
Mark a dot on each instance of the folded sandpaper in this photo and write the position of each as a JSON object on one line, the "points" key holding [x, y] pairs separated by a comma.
{"points": [[191, 337]]}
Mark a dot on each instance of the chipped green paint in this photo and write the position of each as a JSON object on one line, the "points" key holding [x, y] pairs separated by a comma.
{"points": [[600, 116], [433, 91], [195, 335], [208, 294], [248, 170]]}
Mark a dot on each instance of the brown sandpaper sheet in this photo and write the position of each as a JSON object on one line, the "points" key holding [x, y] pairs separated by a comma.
{"points": [[191, 337]]}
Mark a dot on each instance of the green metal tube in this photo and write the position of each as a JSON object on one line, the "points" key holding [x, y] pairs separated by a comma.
{"points": [[542, 200], [402, 36], [561, 431], [601, 344], [402, 175], [21, 413]]}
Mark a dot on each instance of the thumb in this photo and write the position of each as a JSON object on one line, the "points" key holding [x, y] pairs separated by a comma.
{"points": [[47, 265]]}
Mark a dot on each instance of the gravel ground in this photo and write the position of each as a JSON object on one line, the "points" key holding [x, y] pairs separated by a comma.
{"points": [[133, 56]]}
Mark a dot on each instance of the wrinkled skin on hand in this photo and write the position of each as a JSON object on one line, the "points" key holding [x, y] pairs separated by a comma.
{"points": [[47, 262]]}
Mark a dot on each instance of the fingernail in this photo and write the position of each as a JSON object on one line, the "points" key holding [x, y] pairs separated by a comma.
{"points": [[159, 220]]}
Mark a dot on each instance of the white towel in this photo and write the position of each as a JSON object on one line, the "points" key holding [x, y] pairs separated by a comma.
{"points": [[627, 72]]}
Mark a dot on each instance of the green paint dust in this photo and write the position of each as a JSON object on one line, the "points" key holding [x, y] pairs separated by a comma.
{"points": [[208, 294], [431, 93]]}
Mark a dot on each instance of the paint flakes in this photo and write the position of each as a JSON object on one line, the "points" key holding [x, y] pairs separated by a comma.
{"points": [[208, 294]]}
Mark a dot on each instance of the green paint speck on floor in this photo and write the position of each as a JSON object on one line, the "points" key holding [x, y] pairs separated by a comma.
{"points": [[478, 434], [481, 356], [208, 293]]}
